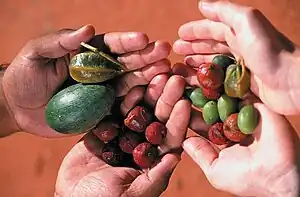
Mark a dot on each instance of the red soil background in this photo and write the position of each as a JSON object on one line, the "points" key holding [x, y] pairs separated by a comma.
{"points": [[29, 164]]}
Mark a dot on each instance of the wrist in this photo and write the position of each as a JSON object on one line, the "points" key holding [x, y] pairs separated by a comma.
{"points": [[8, 124]]}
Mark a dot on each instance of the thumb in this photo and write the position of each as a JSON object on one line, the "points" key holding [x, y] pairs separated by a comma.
{"points": [[57, 44], [201, 151], [155, 181]]}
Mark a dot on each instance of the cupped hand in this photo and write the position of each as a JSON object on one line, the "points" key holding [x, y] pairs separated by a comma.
{"points": [[245, 32], [266, 165], [41, 68], [83, 173]]}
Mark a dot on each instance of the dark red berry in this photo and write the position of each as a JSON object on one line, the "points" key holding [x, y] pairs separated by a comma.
{"points": [[155, 133], [210, 76], [112, 154], [212, 94], [106, 131], [128, 141], [138, 119], [145, 155], [216, 134]]}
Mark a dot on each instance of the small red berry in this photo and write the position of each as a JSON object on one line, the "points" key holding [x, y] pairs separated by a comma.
{"points": [[128, 141], [210, 76], [216, 134], [145, 155], [231, 129], [106, 131], [212, 94], [155, 133], [138, 119], [112, 154]]}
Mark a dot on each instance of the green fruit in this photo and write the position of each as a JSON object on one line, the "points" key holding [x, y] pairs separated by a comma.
{"points": [[197, 98], [222, 60], [94, 66], [247, 119], [226, 106], [210, 113], [79, 108], [237, 80]]}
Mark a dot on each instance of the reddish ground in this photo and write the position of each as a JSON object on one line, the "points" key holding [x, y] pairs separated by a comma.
{"points": [[29, 164]]}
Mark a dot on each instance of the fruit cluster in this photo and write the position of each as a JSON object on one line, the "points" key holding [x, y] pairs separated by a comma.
{"points": [[225, 99], [136, 138]]}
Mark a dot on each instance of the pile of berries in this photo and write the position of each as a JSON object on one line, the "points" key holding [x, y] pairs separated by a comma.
{"points": [[135, 139], [225, 99]]}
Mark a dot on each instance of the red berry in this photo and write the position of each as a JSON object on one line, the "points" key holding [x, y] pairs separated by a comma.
{"points": [[216, 134], [128, 141], [155, 133], [112, 154], [210, 76], [231, 129], [145, 154], [138, 119], [212, 94], [106, 131]]}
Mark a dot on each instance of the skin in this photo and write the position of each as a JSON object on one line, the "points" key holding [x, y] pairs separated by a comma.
{"points": [[245, 32], [278, 176], [243, 169], [99, 178], [41, 67]]}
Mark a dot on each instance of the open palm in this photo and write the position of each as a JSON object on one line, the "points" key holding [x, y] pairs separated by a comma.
{"points": [[84, 174], [264, 164]]}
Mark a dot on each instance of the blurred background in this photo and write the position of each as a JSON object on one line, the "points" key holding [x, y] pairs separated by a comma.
{"points": [[28, 164]]}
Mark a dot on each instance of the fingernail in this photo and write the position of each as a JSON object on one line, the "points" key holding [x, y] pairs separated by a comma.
{"points": [[206, 5], [82, 29], [189, 61]]}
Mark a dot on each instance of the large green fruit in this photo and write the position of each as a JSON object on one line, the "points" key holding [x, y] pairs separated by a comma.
{"points": [[79, 108]]}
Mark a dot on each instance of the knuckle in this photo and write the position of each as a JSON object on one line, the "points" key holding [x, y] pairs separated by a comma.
{"points": [[176, 79]]}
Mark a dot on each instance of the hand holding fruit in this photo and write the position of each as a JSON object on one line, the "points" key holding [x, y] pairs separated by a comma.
{"points": [[41, 68], [263, 165], [245, 32], [123, 158]]}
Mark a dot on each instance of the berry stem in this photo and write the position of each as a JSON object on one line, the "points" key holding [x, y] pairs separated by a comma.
{"points": [[95, 50], [242, 64]]}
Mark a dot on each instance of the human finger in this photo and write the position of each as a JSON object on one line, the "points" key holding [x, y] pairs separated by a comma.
{"points": [[183, 47]]}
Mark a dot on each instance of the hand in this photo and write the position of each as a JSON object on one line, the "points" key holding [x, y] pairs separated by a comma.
{"points": [[269, 166], [40, 69], [245, 32], [83, 173]]}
